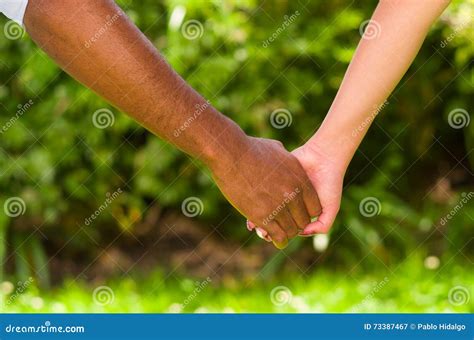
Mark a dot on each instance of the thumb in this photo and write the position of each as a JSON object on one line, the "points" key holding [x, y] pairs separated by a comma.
{"points": [[323, 224]]}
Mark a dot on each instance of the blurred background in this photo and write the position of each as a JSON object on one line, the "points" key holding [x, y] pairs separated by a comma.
{"points": [[99, 215]]}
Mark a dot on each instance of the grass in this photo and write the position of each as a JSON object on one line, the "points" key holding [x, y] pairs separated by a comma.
{"points": [[409, 287]]}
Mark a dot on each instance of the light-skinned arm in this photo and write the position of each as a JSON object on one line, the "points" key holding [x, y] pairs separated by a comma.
{"points": [[392, 39]]}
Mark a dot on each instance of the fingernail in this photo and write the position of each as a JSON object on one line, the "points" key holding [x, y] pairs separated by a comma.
{"points": [[307, 235], [280, 245], [261, 233], [249, 228]]}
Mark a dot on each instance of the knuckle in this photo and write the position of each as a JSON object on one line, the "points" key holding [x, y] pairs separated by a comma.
{"points": [[302, 218], [264, 222], [275, 142], [290, 187], [309, 190], [291, 192], [302, 226], [325, 229], [292, 233]]}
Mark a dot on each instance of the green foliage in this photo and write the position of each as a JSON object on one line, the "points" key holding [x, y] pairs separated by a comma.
{"points": [[62, 166], [406, 289]]}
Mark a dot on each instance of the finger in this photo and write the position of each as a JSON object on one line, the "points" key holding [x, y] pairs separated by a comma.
{"points": [[277, 234], [263, 234], [250, 225], [323, 224], [311, 200], [298, 211], [288, 224], [259, 231]]}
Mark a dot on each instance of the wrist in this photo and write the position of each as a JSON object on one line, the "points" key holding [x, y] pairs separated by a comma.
{"points": [[332, 146], [224, 150]]}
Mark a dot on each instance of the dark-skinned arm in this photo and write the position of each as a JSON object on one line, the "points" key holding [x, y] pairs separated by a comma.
{"points": [[121, 65]]}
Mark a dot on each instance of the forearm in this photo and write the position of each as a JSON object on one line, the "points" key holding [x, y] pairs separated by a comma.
{"points": [[97, 44], [376, 68]]}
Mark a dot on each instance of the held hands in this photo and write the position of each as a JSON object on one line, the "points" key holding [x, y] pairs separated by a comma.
{"points": [[269, 186], [326, 175]]}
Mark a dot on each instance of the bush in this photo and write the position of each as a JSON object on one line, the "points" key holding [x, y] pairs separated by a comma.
{"points": [[413, 162]]}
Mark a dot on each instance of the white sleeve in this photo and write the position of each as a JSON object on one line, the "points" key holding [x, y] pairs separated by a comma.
{"points": [[14, 9]]}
